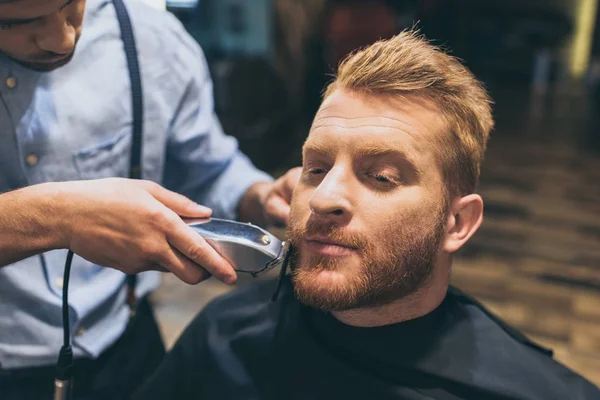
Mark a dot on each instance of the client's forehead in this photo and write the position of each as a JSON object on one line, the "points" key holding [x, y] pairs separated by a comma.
{"points": [[368, 121]]}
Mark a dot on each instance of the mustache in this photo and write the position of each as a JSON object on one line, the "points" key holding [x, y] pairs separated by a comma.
{"points": [[297, 233]]}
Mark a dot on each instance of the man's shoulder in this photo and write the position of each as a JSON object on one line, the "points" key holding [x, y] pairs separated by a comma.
{"points": [[143, 17], [158, 22], [490, 326], [502, 359], [158, 33]]}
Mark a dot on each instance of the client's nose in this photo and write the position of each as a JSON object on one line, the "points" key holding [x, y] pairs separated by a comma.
{"points": [[330, 199]]}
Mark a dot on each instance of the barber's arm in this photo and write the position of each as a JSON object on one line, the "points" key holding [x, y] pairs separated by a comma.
{"points": [[30, 223], [132, 226]]}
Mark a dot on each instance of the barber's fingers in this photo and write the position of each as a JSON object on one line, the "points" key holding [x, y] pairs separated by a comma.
{"points": [[182, 267], [193, 246], [181, 205], [277, 210], [171, 260], [291, 179]]}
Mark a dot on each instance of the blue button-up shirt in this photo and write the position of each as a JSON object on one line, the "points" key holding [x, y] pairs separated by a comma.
{"points": [[75, 123]]}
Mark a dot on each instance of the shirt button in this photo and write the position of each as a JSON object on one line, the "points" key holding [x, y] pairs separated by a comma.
{"points": [[11, 82], [59, 282], [32, 159], [80, 331]]}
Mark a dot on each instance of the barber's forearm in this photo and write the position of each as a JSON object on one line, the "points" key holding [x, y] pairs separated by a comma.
{"points": [[31, 222], [251, 206]]}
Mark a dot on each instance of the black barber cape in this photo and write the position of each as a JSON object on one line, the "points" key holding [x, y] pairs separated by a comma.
{"points": [[243, 346]]}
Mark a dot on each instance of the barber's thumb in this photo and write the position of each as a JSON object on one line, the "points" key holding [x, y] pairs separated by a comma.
{"points": [[180, 204]]}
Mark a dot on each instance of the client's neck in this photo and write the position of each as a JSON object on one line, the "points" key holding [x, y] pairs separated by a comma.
{"points": [[420, 303]]}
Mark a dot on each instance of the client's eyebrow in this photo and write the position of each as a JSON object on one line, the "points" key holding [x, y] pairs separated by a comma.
{"points": [[377, 151], [329, 150], [399, 155], [322, 148]]}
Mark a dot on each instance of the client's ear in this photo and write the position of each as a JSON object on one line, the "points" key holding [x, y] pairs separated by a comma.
{"points": [[465, 218]]}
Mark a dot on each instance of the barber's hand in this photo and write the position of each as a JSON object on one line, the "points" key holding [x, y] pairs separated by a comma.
{"points": [[134, 226], [277, 201]]}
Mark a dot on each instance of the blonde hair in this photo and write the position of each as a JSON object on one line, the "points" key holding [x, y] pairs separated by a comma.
{"points": [[408, 65]]}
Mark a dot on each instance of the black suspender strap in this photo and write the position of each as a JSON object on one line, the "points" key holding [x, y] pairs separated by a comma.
{"points": [[137, 106]]}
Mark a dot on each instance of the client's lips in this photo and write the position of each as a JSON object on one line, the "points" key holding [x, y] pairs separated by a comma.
{"points": [[325, 246]]}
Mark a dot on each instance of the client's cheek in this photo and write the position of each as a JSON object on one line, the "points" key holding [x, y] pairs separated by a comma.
{"points": [[297, 208], [297, 223]]}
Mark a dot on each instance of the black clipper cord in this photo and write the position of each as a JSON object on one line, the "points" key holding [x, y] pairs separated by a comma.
{"points": [[282, 271], [63, 379]]}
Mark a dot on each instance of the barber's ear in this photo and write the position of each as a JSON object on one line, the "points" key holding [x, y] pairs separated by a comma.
{"points": [[466, 214]]}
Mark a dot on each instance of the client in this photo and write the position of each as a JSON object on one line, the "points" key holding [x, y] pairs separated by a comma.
{"points": [[385, 197]]}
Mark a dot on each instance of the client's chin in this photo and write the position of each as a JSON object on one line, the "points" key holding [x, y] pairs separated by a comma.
{"points": [[334, 286], [321, 280]]}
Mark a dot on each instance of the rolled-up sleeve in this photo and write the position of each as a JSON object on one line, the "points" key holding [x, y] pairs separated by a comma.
{"points": [[202, 162]]}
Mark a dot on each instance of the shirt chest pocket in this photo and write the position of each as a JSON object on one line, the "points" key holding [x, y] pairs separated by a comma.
{"points": [[105, 159]]}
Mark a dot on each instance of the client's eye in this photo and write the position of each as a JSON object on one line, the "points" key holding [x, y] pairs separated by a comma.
{"points": [[313, 174], [5, 26], [386, 181], [382, 178]]}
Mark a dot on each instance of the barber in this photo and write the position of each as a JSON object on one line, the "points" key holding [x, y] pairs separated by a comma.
{"points": [[68, 146]]}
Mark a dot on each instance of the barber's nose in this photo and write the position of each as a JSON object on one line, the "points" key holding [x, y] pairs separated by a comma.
{"points": [[57, 35], [331, 199]]}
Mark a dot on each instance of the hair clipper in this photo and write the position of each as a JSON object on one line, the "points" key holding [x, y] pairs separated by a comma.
{"points": [[247, 247]]}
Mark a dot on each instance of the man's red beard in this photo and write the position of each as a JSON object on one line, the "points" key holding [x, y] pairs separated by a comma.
{"points": [[393, 265]]}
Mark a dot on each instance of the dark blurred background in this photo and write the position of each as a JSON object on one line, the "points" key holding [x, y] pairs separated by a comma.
{"points": [[536, 259], [270, 59]]}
